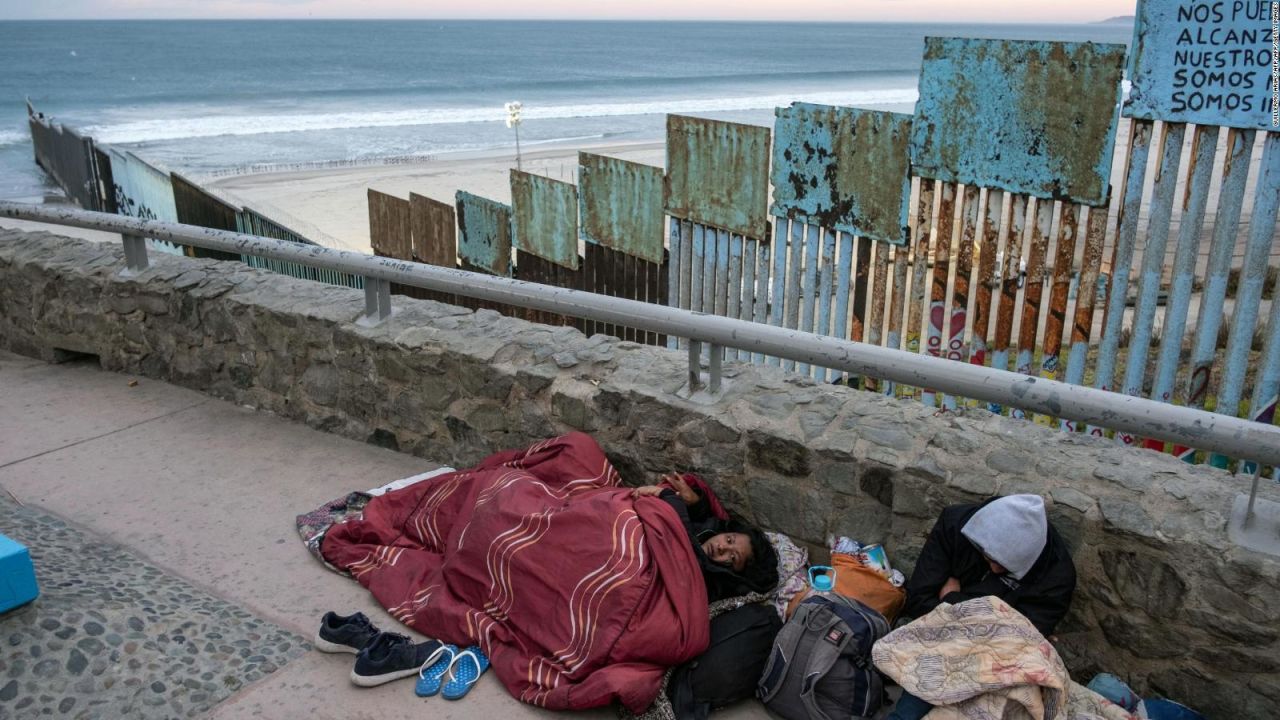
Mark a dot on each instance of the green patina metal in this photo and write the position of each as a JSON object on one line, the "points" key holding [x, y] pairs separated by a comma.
{"points": [[485, 241], [620, 203], [546, 217], [843, 169], [718, 174], [1029, 117]]}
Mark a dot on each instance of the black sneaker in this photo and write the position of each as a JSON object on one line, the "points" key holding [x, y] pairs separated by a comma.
{"points": [[391, 657], [338, 634]]}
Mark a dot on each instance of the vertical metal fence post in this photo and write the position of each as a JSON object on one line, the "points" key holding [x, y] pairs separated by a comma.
{"points": [[695, 365], [135, 252], [370, 297], [384, 299], [717, 352]]}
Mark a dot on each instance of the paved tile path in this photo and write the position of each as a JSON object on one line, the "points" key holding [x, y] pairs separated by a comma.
{"points": [[112, 636]]}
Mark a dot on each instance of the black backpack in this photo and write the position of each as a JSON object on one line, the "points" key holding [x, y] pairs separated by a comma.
{"points": [[730, 668], [820, 667]]}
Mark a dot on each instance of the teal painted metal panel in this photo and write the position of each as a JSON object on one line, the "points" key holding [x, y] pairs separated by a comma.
{"points": [[718, 174], [485, 240], [620, 205], [843, 169], [1202, 62], [1025, 116], [545, 214], [142, 191]]}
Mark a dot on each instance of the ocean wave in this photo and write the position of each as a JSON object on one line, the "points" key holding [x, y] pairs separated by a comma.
{"points": [[180, 128], [14, 137]]}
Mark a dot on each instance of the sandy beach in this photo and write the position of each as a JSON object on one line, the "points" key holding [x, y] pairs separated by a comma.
{"points": [[331, 205]]}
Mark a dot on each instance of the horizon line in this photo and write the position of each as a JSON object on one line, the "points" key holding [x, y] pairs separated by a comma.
{"points": [[1106, 21]]}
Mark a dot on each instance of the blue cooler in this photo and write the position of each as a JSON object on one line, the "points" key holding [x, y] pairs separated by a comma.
{"points": [[17, 575]]}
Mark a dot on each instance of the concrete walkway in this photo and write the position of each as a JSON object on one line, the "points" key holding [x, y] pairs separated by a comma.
{"points": [[162, 524]]}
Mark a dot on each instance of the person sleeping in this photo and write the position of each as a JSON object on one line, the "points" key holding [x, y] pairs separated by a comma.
{"points": [[735, 558]]}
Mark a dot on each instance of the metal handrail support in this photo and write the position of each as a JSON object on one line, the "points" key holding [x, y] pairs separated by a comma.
{"points": [[1231, 436]]}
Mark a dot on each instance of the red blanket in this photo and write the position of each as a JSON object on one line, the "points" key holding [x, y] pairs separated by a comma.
{"points": [[579, 594]]}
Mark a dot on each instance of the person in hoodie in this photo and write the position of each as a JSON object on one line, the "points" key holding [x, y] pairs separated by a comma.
{"points": [[735, 558], [1004, 547]]}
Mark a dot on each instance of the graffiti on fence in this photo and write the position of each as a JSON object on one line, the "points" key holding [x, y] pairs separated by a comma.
{"points": [[1207, 63]]}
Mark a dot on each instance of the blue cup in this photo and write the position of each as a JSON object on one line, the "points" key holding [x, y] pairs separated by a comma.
{"points": [[824, 582]]}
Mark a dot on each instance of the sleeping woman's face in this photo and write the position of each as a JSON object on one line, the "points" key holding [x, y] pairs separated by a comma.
{"points": [[731, 549]]}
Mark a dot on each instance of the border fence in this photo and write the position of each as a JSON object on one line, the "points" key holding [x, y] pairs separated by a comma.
{"points": [[983, 228], [100, 177]]}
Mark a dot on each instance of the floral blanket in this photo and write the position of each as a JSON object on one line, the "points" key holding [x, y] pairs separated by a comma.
{"points": [[982, 659]]}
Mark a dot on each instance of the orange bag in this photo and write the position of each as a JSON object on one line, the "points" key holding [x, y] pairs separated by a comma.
{"points": [[855, 580]]}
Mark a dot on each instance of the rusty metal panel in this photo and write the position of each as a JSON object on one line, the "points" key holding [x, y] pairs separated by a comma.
{"points": [[196, 206], [1029, 117], [718, 174], [389, 232], [434, 228], [67, 157], [988, 280], [485, 240], [843, 168], [620, 204], [545, 214], [1202, 62]]}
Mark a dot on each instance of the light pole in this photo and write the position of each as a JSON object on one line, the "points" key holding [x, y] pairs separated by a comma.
{"points": [[513, 121]]}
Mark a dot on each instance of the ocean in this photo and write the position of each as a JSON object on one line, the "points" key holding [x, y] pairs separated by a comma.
{"points": [[216, 97]]}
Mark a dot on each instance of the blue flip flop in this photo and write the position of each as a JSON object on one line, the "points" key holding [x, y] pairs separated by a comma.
{"points": [[464, 671], [431, 676]]}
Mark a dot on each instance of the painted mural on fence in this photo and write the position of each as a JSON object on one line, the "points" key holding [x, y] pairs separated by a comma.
{"points": [[718, 174], [843, 169], [485, 240], [143, 191], [1203, 62], [1029, 117], [545, 218], [620, 204]]}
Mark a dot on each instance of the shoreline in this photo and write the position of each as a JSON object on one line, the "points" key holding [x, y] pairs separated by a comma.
{"points": [[329, 205]]}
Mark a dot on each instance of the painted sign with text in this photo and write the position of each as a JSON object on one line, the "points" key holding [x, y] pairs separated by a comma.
{"points": [[1208, 63]]}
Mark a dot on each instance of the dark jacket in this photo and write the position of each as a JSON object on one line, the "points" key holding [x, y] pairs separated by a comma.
{"points": [[722, 582], [1043, 595]]}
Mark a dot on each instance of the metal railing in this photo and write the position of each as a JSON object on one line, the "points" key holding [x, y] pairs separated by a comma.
{"points": [[1231, 436]]}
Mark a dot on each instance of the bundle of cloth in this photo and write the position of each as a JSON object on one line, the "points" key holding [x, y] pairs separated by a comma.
{"points": [[580, 593], [983, 659]]}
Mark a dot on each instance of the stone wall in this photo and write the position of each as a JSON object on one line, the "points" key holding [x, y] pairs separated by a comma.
{"points": [[1164, 599]]}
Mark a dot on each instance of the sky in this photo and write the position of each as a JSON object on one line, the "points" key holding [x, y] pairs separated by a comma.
{"points": [[1028, 11]]}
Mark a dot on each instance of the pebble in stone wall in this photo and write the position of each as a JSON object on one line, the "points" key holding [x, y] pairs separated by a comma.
{"points": [[1164, 599]]}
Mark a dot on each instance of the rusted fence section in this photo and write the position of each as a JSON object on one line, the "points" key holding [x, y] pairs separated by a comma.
{"points": [[842, 183], [982, 229], [716, 192], [611, 252], [114, 180], [620, 206], [68, 157]]}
